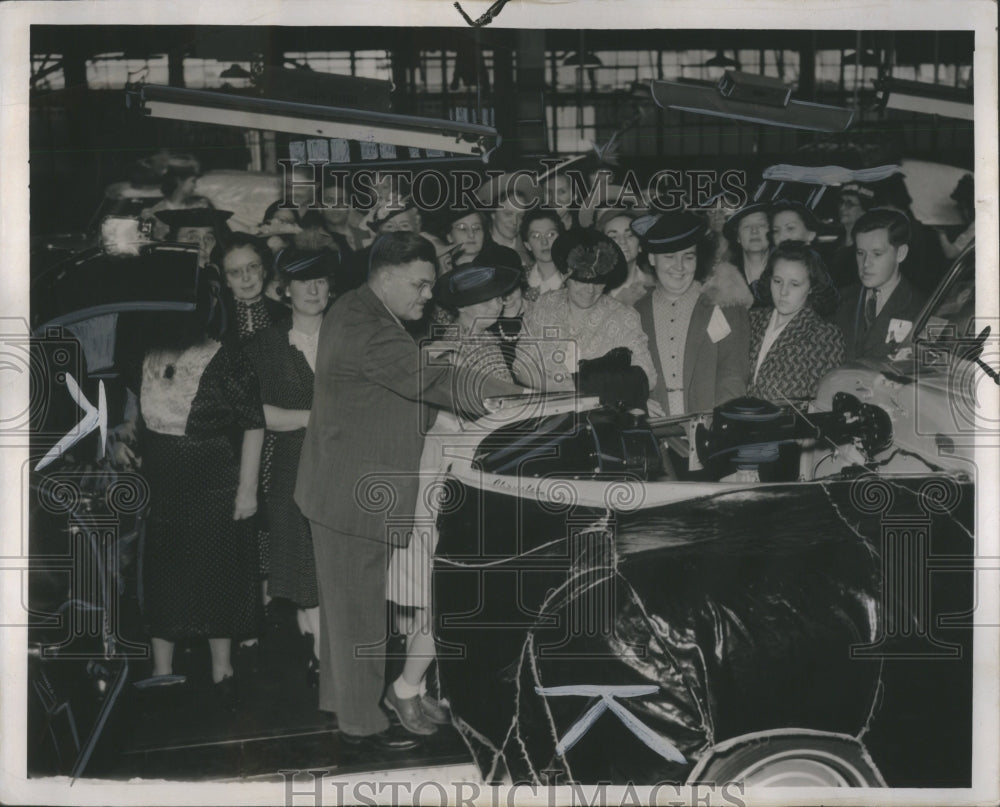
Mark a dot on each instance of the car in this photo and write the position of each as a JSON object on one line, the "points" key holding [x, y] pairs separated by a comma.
{"points": [[788, 610]]}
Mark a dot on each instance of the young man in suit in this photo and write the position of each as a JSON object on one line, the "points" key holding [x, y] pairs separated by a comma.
{"points": [[878, 312], [358, 473]]}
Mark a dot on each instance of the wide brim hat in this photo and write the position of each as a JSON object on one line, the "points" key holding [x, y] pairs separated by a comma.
{"points": [[673, 231], [194, 217], [804, 213], [476, 283], [302, 264], [732, 227], [589, 257]]}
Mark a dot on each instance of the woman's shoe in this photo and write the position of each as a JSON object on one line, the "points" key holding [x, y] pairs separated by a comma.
{"points": [[409, 712], [434, 710], [312, 672]]}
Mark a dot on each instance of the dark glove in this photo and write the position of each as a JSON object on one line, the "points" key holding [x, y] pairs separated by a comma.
{"points": [[614, 380]]}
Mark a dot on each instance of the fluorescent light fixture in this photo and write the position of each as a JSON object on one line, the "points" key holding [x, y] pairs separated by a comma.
{"points": [[749, 99], [930, 99], [312, 120]]}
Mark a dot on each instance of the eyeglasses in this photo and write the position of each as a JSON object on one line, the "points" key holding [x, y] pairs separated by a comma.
{"points": [[549, 236], [250, 270]]}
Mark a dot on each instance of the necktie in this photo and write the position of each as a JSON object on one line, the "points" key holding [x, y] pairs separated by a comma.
{"points": [[870, 312]]}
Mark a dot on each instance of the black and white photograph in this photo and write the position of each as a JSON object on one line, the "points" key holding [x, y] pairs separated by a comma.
{"points": [[557, 402]]}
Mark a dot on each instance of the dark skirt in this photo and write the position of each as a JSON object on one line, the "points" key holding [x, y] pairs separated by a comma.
{"points": [[199, 565], [291, 564]]}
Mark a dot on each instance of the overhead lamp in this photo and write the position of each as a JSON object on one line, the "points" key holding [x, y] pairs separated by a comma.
{"points": [[235, 71], [312, 120], [574, 59], [750, 98], [930, 99], [721, 60]]}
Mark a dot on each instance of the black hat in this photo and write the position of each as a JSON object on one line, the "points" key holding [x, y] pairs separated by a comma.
{"points": [[194, 217], [386, 209], [473, 284], [589, 257], [301, 264], [731, 228], [804, 213], [669, 232]]}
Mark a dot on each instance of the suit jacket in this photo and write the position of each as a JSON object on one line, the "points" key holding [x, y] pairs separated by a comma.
{"points": [[358, 469], [904, 303], [806, 350], [714, 372]]}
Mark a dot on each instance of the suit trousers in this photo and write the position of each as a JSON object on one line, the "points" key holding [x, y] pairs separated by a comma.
{"points": [[351, 573]]}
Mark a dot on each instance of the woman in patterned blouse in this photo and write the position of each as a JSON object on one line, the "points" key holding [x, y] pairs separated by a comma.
{"points": [[581, 321], [792, 346]]}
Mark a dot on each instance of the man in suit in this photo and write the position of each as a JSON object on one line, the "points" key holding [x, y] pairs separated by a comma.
{"points": [[878, 312], [357, 479]]}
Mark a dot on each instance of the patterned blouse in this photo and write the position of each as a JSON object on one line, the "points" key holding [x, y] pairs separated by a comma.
{"points": [[475, 351], [562, 335]]}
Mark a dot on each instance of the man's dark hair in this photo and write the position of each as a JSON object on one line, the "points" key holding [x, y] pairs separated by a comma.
{"points": [[537, 214], [884, 218], [399, 248]]}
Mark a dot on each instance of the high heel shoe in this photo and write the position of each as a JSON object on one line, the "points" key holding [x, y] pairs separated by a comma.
{"points": [[312, 672]]}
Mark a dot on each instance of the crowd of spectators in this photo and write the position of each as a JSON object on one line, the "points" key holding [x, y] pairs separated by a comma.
{"points": [[711, 304]]}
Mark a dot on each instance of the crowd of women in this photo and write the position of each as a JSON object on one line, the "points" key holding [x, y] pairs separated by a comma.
{"points": [[698, 306]]}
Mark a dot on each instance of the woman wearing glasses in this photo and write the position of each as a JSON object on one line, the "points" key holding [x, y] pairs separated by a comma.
{"points": [[246, 265], [539, 231]]}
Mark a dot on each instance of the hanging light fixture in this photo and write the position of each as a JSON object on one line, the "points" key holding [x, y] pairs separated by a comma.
{"points": [[588, 59], [721, 60], [235, 71]]}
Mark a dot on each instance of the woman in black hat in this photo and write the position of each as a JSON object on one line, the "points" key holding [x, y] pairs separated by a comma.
{"points": [[696, 321], [283, 356], [582, 313], [473, 295], [791, 345], [473, 298], [204, 226]]}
